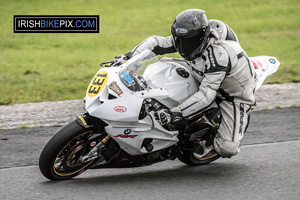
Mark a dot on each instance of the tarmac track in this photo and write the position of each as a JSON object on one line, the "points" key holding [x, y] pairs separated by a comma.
{"points": [[268, 167]]}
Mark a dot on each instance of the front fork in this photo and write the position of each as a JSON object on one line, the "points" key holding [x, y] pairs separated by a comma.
{"points": [[94, 153], [90, 122]]}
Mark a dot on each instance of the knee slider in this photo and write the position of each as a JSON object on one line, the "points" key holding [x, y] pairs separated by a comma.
{"points": [[226, 148]]}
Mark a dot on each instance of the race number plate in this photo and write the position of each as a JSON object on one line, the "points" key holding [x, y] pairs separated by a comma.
{"points": [[97, 84]]}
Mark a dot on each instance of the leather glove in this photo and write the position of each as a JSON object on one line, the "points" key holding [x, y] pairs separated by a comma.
{"points": [[173, 117], [177, 120], [164, 117], [120, 59]]}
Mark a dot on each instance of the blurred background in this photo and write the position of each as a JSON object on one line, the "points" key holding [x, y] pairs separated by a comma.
{"points": [[37, 67]]}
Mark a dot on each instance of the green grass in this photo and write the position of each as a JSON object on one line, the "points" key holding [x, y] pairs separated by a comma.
{"points": [[48, 67], [23, 126]]}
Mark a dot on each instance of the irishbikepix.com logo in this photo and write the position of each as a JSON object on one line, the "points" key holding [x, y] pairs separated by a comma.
{"points": [[56, 23]]}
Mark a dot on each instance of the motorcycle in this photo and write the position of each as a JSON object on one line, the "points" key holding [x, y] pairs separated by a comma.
{"points": [[121, 127]]}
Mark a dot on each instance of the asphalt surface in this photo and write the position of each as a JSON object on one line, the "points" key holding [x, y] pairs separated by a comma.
{"points": [[268, 167]]}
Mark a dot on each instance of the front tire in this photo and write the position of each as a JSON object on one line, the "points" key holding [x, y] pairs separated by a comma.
{"points": [[59, 159]]}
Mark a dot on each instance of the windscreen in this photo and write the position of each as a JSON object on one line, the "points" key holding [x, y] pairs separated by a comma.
{"points": [[132, 71]]}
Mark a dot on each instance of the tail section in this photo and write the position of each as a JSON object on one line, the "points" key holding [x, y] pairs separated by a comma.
{"points": [[264, 66]]}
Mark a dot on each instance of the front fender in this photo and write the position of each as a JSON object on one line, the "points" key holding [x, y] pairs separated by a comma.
{"points": [[89, 122]]}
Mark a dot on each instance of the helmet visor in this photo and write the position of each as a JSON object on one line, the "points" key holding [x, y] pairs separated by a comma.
{"points": [[187, 46]]}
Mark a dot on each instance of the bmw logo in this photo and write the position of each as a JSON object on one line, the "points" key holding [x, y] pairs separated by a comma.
{"points": [[127, 131], [271, 60]]}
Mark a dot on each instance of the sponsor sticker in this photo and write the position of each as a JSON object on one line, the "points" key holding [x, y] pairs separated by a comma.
{"points": [[120, 109], [210, 54], [257, 64], [114, 87], [126, 136], [127, 78], [83, 121], [93, 143]]}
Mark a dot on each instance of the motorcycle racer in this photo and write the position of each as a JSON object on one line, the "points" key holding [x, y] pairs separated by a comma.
{"points": [[213, 54]]}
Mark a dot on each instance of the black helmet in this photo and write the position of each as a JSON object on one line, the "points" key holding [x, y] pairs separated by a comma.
{"points": [[190, 32]]}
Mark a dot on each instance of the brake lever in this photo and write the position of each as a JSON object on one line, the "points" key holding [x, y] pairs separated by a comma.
{"points": [[104, 63]]}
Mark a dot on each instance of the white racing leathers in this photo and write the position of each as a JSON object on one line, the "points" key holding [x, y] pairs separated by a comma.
{"points": [[226, 76]]}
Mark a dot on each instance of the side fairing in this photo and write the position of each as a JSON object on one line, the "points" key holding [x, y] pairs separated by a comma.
{"points": [[119, 107], [130, 136]]}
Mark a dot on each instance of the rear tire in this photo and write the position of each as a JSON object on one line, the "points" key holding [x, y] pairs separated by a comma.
{"points": [[208, 132], [59, 159], [187, 157]]}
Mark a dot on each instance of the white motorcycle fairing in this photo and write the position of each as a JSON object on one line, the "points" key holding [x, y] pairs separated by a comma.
{"points": [[119, 106], [116, 95]]}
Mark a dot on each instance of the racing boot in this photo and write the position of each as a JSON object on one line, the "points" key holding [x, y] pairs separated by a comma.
{"points": [[204, 149]]}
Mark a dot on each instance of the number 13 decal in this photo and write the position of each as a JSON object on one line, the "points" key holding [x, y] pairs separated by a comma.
{"points": [[97, 83]]}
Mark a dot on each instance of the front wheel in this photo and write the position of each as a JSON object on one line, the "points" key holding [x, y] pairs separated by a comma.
{"points": [[60, 159]]}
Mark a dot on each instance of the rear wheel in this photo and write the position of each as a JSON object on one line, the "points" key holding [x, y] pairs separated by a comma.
{"points": [[61, 157], [190, 158], [199, 132]]}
